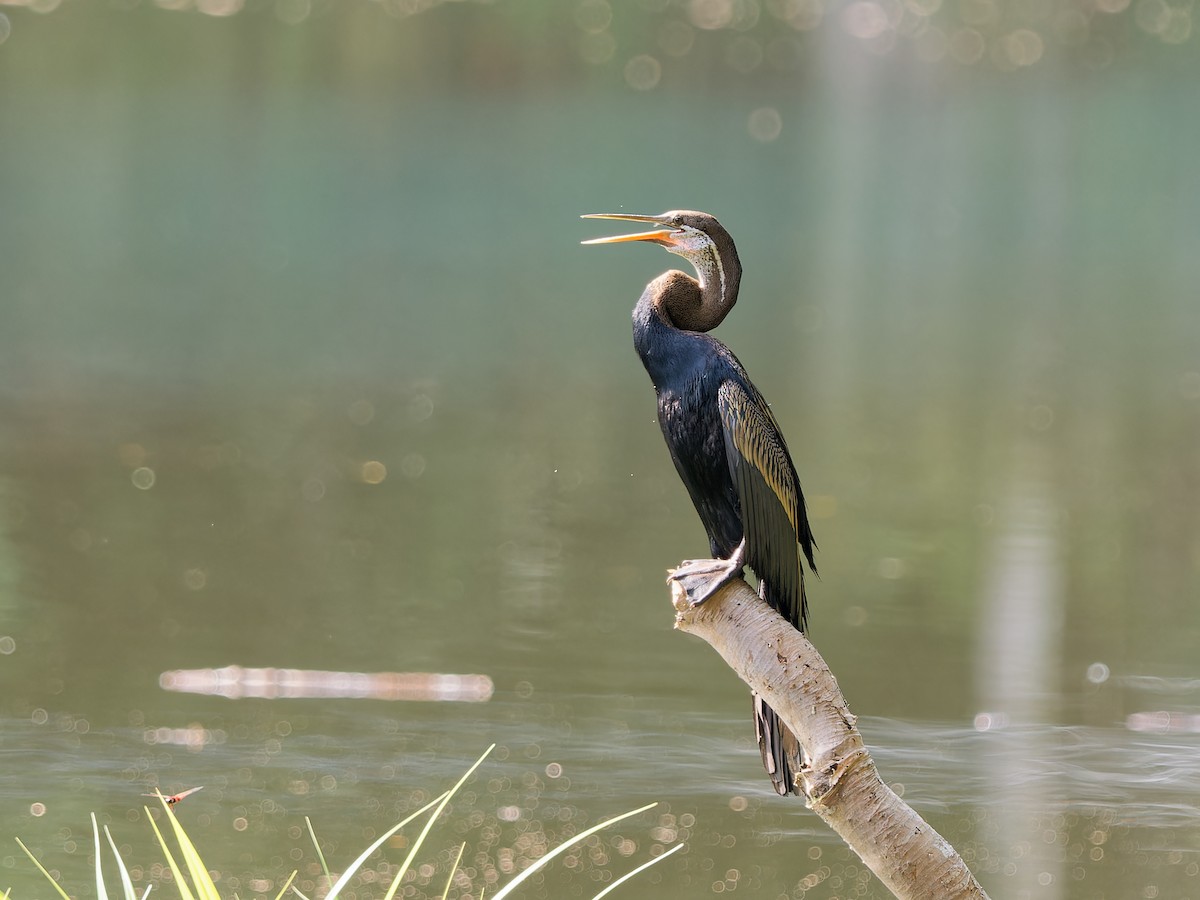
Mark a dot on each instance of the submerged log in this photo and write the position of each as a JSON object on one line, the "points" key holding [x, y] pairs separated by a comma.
{"points": [[839, 779]]}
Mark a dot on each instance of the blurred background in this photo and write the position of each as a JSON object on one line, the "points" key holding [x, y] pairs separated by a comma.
{"points": [[302, 365]]}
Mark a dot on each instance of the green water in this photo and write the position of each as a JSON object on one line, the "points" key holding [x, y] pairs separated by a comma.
{"points": [[256, 259]]}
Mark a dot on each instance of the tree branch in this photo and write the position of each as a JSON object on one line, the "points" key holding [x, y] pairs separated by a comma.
{"points": [[839, 780]]}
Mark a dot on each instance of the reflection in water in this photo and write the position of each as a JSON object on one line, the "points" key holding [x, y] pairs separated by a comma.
{"points": [[1019, 637], [1020, 628]]}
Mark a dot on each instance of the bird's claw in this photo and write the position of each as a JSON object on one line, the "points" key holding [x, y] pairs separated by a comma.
{"points": [[699, 579]]}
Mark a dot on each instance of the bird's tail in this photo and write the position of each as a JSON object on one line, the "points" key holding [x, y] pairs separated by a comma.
{"points": [[781, 754]]}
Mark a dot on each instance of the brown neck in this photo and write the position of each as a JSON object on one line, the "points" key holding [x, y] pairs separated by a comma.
{"points": [[698, 304]]}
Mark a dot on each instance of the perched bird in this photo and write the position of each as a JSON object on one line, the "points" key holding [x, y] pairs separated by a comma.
{"points": [[725, 442]]}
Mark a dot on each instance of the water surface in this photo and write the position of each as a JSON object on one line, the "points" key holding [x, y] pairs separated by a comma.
{"points": [[305, 369]]}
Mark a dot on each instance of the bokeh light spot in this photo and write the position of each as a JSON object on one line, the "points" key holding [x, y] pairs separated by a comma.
{"points": [[1041, 417], [966, 46], [597, 49], [1071, 28], [1178, 27], [990, 721], [744, 55], [143, 478], [219, 8], [1024, 47], [593, 16], [412, 466], [313, 489], [420, 408], [711, 15], [676, 38], [373, 471], [864, 20], [643, 72], [1152, 15], [806, 15], [765, 124]]}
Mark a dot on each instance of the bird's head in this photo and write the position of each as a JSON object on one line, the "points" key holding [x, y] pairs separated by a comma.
{"points": [[690, 234], [701, 240]]}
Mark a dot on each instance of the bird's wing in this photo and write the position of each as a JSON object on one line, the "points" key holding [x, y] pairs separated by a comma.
{"points": [[773, 515]]}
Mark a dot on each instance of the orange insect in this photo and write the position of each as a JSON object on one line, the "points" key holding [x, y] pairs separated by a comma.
{"points": [[174, 798]]}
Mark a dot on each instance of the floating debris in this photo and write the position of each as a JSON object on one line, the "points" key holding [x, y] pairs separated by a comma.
{"points": [[236, 682]]}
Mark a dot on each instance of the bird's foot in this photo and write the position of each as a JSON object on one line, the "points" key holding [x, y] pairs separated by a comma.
{"points": [[699, 579]]}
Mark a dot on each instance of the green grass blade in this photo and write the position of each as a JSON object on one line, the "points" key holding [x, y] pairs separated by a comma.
{"points": [[191, 856], [146, 892], [321, 856], [562, 848], [349, 873], [185, 892], [453, 869], [433, 818], [637, 871], [101, 893], [42, 869], [288, 884], [126, 881]]}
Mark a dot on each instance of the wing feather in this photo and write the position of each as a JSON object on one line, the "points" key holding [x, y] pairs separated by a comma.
{"points": [[773, 515], [776, 530]]}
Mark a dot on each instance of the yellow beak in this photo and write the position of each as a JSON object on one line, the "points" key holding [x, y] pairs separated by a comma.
{"points": [[664, 236]]}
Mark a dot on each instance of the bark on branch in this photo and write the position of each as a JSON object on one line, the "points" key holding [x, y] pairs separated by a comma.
{"points": [[839, 781]]}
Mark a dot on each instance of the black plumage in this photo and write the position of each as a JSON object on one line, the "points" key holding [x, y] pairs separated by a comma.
{"points": [[726, 444]]}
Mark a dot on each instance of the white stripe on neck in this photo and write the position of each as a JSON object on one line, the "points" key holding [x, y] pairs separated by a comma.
{"points": [[713, 259]]}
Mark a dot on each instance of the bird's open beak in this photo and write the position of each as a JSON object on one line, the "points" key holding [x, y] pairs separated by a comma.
{"points": [[664, 236]]}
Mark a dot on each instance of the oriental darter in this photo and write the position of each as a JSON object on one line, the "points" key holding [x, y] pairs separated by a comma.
{"points": [[725, 442]]}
